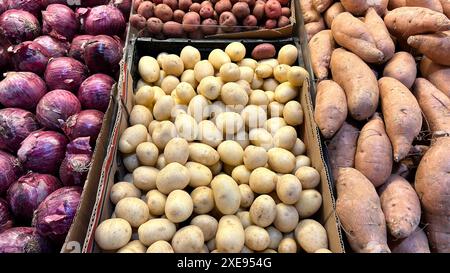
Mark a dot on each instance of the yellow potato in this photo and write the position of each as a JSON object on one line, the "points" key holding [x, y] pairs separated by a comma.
{"points": [[263, 180], [216, 168], [255, 157], [200, 174], [160, 247], [236, 51], [133, 247], [172, 177], [323, 250], [160, 57], [297, 75], [162, 76], [286, 219], [269, 251], [187, 127], [218, 57], [122, 190], [244, 217], [274, 124], [131, 138], [216, 108], [230, 237], [158, 93], [248, 62], [163, 108], [147, 153], [169, 83], [308, 176], [210, 87], [172, 65], [247, 195], [209, 134], [148, 69], [275, 109], [144, 178], [285, 137], [163, 133], [144, 96], [270, 84], [287, 245], [254, 116], [190, 56], [301, 161], [241, 174], [264, 71], [156, 230], [299, 147], [280, 72], [188, 240], [259, 97], [177, 150], [261, 138], [131, 162], [263, 211], [199, 108], [113, 234], [257, 82], [185, 92], [270, 95], [140, 115], [179, 206], [246, 73], [207, 224], [275, 237], [271, 62], [161, 162], [228, 169], [281, 160], [229, 122], [230, 152], [242, 138], [156, 202], [227, 196], [141, 83], [203, 69], [285, 92], [293, 113], [256, 238], [229, 72], [309, 203], [233, 94], [288, 54], [203, 154], [289, 189], [203, 199], [133, 210], [188, 76], [311, 235]]}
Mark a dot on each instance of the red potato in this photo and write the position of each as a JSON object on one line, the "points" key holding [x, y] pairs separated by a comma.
{"points": [[377, 28], [184, 5], [250, 22], [402, 67], [156, 2], [195, 7], [191, 21], [173, 29], [283, 21], [321, 47], [207, 3], [163, 12], [373, 156], [435, 46], [222, 6], [359, 7], [272, 9], [431, 4], [228, 22], [136, 4], [173, 4], [433, 187], [308, 12], [446, 7], [271, 24], [258, 10], [417, 242], [138, 21], [436, 74], [263, 51], [401, 206], [332, 12], [234, 1], [240, 10], [358, 81], [206, 12], [146, 9], [209, 26], [284, 2], [359, 210], [314, 28], [178, 16], [250, 3], [402, 115], [285, 11], [331, 108], [322, 5], [435, 106], [393, 4], [154, 25]]}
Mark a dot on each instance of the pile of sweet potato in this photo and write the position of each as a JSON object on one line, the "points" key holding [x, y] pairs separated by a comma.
{"points": [[383, 104]]}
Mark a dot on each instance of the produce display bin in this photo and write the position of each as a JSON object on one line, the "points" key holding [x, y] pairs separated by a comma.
{"points": [[113, 168]]}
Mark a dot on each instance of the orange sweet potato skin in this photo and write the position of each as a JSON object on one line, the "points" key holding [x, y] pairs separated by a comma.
{"points": [[314, 28], [359, 210], [446, 7], [435, 46], [342, 148], [401, 206], [433, 187], [359, 7], [308, 11], [332, 12], [380, 33], [437, 74], [402, 67], [393, 4], [322, 5], [417, 242], [431, 4], [402, 115], [358, 81], [320, 47], [373, 156]]}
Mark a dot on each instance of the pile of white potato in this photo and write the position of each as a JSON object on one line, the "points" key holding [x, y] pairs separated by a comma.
{"points": [[214, 159]]}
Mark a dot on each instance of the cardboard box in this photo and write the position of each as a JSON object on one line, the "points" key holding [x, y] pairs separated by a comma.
{"points": [[113, 169]]}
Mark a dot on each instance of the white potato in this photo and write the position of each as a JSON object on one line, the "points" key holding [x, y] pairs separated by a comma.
{"points": [[203, 199], [288, 54], [293, 113], [230, 152], [241, 174], [207, 224], [148, 69], [155, 230], [203, 154], [309, 203], [263, 211], [122, 190], [160, 247], [263, 180], [179, 206], [289, 189], [308, 176], [113, 234], [311, 235], [172, 65], [190, 57], [227, 196], [256, 238], [144, 177], [286, 219], [133, 210], [236, 51]]}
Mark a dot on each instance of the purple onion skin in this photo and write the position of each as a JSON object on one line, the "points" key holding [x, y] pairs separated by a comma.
{"points": [[43, 151], [22, 90], [3, 5], [95, 91], [124, 6], [10, 168], [54, 47], [86, 123], [30, 57], [46, 3], [60, 22], [23, 240], [15, 125], [75, 166], [56, 107], [105, 19], [18, 26], [55, 214], [6, 220], [25, 195], [5, 59], [65, 73], [32, 6], [102, 54], [77, 47]]}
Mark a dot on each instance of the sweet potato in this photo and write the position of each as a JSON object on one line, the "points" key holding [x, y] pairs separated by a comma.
{"points": [[402, 67], [417, 242], [321, 47], [433, 187], [446, 7], [377, 28], [435, 46], [359, 7], [359, 210], [401, 206], [331, 107], [351, 33], [358, 81], [373, 156], [342, 148], [322, 5], [313, 28], [332, 12], [407, 21], [393, 4], [308, 11], [436, 74], [402, 115], [431, 4], [435, 106]]}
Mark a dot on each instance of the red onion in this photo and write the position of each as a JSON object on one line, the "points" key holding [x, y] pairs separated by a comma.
{"points": [[30, 56], [124, 6], [86, 123], [3, 5], [65, 73], [19, 25], [43, 151], [23, 240], [60, 22], [102, 54], [10, 170], [77, 47], [6, 220], [105, 19], [15, 125], [95, 91], [93, 3], [46, 3], [56, 107], [55, 48], [22, 90], [5, 59], [25, 195], [32, 6], [55, 214], [76, 164]]}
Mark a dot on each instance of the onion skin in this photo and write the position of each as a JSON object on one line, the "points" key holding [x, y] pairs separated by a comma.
{"points": [[30, 57], [105, 19], [77, 46], [60, 22], [55, 214], [3, 5], [22, 90], [6, 220], [43, 151], [15, 125], [95, 92], [10, 168], [18, 26], [25, 195], [102, 54], [56, 107], [32, 6], [23, 240], [86, 123], [54, 47], [75, 166], [5, 58], [124, 6], [65, 73]]}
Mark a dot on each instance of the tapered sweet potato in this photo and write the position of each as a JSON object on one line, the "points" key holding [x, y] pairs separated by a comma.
{"points": [[393, 4], [332, 12], [435, 106], [402, 67], [359, 7], [320, 47], [351, 33], [435, 46], [431, 4], [402, 115], [314, 28], [358, 81], [377, 28], [433, 187], [373, 156], [308, 11], [437, 74], [401, 206], [417, 242], [342, 148], [359, 210], [407, 21], [322, 5], [331, 107], [446, 7]]}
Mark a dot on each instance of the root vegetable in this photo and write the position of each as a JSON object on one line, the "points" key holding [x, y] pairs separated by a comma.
{"points": [[308, 11], [342, 148], [431, 4], [359, 7], [417, 242], [436, 74], [435, 46], [377, 28], [322, 5], [313, 28], [402, 67], [321, 47], [333, 11]]}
